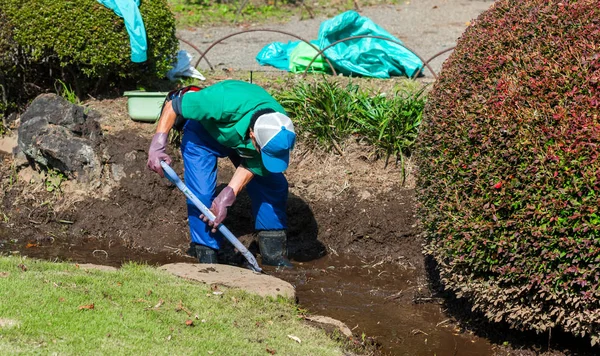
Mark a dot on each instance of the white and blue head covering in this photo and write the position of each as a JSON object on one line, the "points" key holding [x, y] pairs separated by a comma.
{"points": [[275, 135]]}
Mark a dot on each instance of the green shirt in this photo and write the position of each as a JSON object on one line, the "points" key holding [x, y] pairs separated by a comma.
{"points": [[224, 110]]}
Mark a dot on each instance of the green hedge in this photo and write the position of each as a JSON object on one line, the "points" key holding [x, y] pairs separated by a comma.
{"points": [[8, 66], [82, 43], [509, 171]]}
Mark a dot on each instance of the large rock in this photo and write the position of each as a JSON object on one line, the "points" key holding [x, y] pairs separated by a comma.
{"points": [[233, 277], [60, 135]]}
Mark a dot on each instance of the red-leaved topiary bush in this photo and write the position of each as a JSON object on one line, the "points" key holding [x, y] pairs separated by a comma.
{"points": [[509, 172]]}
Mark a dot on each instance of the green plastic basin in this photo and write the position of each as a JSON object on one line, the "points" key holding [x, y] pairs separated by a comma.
{"points": [[144, 105]]}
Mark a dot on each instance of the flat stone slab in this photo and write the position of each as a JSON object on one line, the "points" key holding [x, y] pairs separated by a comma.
{"points": [[343, 328], [233, 277]]}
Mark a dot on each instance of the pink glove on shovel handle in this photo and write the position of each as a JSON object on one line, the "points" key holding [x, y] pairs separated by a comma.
{"points": [[158, 152], [219, 207]]}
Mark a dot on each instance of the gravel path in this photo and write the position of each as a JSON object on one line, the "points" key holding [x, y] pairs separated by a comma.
{"points": [[425, 26]]}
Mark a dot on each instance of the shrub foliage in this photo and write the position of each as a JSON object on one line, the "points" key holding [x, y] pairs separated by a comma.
{"points": [[328, 113], [80, 42], [9, 57], [509, 169]]}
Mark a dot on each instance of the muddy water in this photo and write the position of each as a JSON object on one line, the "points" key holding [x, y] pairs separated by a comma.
{"points": [[379, 301], [96, 251], [374, 299]]}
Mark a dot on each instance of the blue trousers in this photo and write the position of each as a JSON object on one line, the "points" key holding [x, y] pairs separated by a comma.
{"points": [[200, 154]]}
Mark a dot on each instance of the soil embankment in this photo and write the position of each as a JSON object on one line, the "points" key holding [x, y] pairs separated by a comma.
{"points": [[353, 233]]}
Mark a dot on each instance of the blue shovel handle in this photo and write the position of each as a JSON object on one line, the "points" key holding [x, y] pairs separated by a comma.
{"points": [[174, 178]]}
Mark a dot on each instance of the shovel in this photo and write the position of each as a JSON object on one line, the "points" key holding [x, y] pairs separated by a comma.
{"points": [[174, 178]]}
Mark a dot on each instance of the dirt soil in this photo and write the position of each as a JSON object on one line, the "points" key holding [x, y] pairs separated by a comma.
{"points": [[337, 204]]}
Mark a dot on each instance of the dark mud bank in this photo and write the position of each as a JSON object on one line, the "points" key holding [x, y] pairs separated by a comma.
{"points": [[145, 211]]}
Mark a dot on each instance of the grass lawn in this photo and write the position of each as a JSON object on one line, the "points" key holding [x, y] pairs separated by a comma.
{"points": [[208, 13], [58, 308], [202, 13]]}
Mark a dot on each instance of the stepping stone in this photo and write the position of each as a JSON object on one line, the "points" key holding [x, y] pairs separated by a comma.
{"points": [[343, 328], [233, 277]]}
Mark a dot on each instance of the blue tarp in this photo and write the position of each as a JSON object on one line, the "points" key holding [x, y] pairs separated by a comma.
{"points": [[130, 12], [370, 57], [276, 54]]}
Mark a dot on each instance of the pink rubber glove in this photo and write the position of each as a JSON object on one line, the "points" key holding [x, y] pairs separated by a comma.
{"points": [[158, 152], [219, 207]]}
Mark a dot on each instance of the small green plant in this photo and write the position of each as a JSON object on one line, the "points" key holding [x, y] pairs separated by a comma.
{"points": [[328, 113], [323, 110], [67, 92], [53, 180], [390, 123], [187, 81], [14, 176], [7, 184]]}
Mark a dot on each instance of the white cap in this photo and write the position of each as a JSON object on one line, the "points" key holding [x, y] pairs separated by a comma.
{"points": [[275, 135], [268, 126]]}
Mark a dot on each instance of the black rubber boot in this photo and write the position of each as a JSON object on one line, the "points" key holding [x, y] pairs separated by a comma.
{"points": [[273, 248], [206, 254], [191, 251]]}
